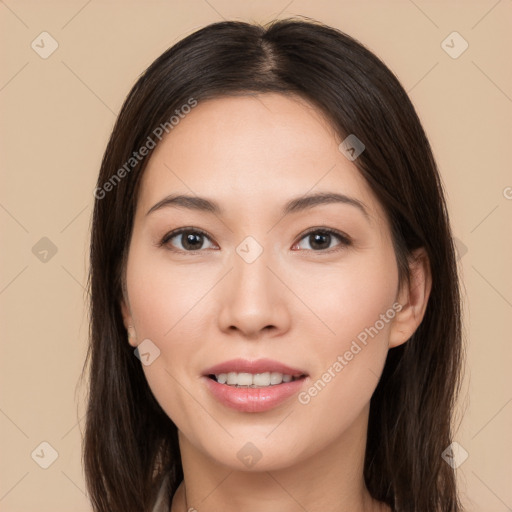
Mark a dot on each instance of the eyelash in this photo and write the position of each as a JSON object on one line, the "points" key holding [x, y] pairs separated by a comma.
{"points": [[344, 240]]}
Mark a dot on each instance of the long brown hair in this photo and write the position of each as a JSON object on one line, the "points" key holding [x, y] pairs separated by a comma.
{"points": [[130, 443]]}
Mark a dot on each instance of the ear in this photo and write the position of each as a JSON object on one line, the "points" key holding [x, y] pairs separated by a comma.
{"points": [[412, 298], [128, 322]]}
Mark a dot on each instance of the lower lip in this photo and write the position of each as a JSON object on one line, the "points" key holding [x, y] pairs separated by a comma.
{"points": [[253, 399]]}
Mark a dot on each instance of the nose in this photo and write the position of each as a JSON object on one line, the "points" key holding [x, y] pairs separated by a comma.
{"points": [[253, 299]]}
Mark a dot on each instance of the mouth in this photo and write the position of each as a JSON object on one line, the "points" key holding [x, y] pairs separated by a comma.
{"points": [[253, 386], [254, 380], [256, 373]]}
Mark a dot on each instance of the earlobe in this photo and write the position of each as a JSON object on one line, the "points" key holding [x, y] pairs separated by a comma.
{"points": [[132, 337], [128, 323], [126, 313], [413, 299]]}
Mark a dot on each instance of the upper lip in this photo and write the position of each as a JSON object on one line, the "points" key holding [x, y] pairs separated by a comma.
{"points": [[256, 366]]}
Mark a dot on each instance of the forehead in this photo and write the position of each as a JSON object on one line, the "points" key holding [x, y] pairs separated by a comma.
{"points": [[252, 151]]}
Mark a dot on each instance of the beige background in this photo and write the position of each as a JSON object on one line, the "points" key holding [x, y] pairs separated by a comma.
{"points": [[57, 114]]}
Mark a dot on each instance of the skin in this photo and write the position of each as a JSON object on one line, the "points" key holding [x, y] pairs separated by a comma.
{"points": [[296, 304]]}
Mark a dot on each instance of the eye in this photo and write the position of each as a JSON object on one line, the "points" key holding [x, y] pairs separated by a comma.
{"points": [[190, 239], [193, 239], [319, 239]]}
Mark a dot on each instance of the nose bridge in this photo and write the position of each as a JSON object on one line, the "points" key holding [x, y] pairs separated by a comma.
{"points": [[251, 273], [252, 299]]}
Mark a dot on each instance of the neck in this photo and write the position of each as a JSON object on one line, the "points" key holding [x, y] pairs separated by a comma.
{"points": [[329, 480]]}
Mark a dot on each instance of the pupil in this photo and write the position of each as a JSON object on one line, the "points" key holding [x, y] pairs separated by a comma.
{"points": [[320, 240], [190, 239]]}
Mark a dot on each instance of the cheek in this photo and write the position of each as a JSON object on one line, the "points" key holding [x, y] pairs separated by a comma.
{"points": [[355, 306], [165, 306], [164, 298], [350, 298]]}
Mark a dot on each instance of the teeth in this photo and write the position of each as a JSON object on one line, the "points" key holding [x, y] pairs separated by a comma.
{"points": [[253, 380]]}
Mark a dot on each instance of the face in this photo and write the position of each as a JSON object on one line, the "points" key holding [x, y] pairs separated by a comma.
{"points": [[312, 289]]}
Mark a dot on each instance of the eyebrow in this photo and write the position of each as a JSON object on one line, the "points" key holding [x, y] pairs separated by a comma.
{"points": [[294, 205]]}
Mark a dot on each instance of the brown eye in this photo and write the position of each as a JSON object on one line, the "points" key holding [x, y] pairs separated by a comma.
{"points": [[322, 239], [186, 239]]}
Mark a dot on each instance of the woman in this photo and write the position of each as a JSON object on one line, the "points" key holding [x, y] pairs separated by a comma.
{"points": [[275, 311]]}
